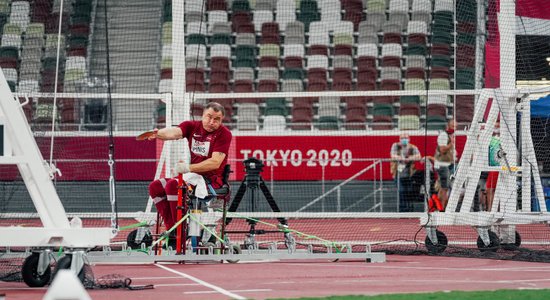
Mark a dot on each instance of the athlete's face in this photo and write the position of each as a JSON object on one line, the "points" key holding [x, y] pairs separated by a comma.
{"points": [[211, 120]]}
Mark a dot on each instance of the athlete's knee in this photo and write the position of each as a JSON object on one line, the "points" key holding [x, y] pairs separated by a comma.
{"points": [[156, 189], [171, 187]]}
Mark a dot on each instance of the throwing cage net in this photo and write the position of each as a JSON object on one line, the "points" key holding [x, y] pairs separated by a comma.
{"points": [[322, 92]]}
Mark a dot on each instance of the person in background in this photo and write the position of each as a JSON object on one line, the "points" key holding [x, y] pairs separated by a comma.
{"points": [[444, 159], [403, 155]]}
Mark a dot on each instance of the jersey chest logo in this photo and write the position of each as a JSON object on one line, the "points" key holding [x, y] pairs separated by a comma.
{"points": [[200, 148]]}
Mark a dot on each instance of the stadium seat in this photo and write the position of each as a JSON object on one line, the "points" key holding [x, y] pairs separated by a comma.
{"points": [[465, 56], [436, 122], [217, 5], [415, 73], [264, 5], [382, 122], [391, 55], [260, 17], [399, 13], [367, 33], [465, 78], [274, 123], [439, 72], [436, 110], [377, 19], [422, 11], [408, 122], [464, 109], [306, 17], [356, 118], [247, 116], [417, 32], [367, 56], [270, 33], [302, 118], [410, 109], [293, 56], [392, 33]]}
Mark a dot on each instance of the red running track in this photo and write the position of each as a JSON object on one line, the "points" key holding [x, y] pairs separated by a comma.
{"points": [[400, 274]]}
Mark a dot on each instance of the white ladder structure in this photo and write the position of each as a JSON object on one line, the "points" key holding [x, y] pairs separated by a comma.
{"points": [[20, 149], [518, 167]]}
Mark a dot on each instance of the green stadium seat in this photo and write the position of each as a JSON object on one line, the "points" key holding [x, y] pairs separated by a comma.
{"points": [[466, 38], [416, 49], [240, 5], [436, 122], [245, 51], [308, 6], [78, 41], [275, 111], [328, 123], [12, 85], [220, 38], [307, 17], [441, 61], [466, 11], [245, 62], [409, 100], [382, 109], [9, 51], [293, 74], [275, 102], [465, 78], [441, 37], [196, 39]]}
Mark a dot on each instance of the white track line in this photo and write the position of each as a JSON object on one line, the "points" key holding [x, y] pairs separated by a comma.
{"points": [[204, 283], [240, 291], [379, 266]]}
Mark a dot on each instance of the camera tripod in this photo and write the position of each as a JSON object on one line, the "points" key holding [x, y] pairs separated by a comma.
{"points": [[252, 181]]}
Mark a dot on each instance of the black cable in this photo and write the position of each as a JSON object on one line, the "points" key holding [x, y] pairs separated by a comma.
{"points": [[110, 104]]}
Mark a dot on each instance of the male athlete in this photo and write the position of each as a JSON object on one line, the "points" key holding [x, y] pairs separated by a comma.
{"points": [[209, 143]]}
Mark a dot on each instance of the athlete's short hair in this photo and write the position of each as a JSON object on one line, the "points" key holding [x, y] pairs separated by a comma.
{"points": [[216, 107]]}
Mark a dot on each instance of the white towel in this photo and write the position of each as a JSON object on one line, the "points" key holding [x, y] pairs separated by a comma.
{"points": [[199, 183]]}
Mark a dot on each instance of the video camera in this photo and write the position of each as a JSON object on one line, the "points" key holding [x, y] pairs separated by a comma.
{"points": [[253, 168]]}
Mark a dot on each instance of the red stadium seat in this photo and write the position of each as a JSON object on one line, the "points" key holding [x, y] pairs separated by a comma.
{"points": [[409, 109], [357, 116], [439, 72], [355, 16], [293, 62], [268, 86], [436, 110], [217, 5], [219, 62], [303, 115], [268, 62], [220, 75], [166, 74], [382, 123], [218, 87], [343, 49], [415, 73]]}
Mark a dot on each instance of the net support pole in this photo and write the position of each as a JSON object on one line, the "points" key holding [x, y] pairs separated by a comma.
{"points": [[56, 230], [507, 30]]}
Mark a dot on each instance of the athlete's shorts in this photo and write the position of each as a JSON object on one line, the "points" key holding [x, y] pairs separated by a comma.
{"points": [[444, 173]]}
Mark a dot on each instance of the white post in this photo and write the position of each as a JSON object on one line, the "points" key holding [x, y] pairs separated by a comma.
{"points": [[507, 30], [182, 108]]}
